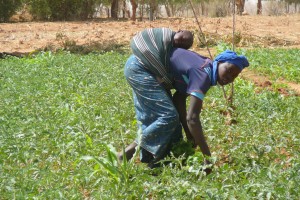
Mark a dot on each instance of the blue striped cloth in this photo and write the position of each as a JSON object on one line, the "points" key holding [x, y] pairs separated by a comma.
{"points": [[152, 48]]}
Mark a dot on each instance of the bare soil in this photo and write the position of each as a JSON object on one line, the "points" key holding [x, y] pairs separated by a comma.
{"points": [[267, 31], [29, 36], [264, 82]]}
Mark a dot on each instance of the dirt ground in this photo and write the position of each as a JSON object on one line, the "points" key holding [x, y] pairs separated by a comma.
{"points": [[268, 31], [29, 36]]}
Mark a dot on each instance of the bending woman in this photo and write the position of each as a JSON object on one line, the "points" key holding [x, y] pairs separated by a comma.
{"points": [[163, 116]]}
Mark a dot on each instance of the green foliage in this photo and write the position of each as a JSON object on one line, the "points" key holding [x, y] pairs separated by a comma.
{"points": [[40, 9], [183, 148], [8, 8], [100, 47], [117, 171], [61, 115], [222, 46], [63, 10], [276, 63]]}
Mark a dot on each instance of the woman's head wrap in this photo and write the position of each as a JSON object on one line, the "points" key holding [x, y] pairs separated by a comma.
{"points": [[231, 57]]}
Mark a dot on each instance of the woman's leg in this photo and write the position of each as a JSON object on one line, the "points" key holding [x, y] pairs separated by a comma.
{"points": [[154, 109]]}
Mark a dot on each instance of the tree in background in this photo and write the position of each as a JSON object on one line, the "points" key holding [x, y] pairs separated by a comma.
{"points": [[152, 8], [134, 7], [171, 6], [290, 2], [62, 9], [201, 6], [87, 8], [259, 7], [8, 8], [114, 9], [39, 9], [240, 4]]}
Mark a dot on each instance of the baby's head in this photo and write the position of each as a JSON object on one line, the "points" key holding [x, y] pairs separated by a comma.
{"points": [[183, 39]]}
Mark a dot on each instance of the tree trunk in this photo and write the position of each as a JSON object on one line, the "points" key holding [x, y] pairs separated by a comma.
{"points": [[167, 10], [240, 4], [152, 9], [114, 9], [202, 7], [142, 10], [151, 15], [107, 12], [259, 7], [124, 9], [172, 9], [134, 7]]}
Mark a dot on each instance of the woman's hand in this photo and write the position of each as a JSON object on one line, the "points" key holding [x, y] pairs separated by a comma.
{"points": [[207, 167]]}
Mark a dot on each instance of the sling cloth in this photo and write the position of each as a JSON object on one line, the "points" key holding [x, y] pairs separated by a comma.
{"points": [[152, 48]]}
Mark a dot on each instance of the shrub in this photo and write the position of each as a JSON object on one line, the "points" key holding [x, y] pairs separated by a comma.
{"points": [[40, 10], [8, 8], [63, 10]]}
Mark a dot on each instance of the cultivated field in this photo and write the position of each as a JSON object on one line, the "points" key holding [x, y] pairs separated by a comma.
{"points": [[64, 115]]}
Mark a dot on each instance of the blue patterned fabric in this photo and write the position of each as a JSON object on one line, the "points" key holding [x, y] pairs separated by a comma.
{"points": [[158, 117]]}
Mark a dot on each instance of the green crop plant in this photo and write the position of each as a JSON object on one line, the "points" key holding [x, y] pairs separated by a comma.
{"points": [[276, 63], [63, 116]]}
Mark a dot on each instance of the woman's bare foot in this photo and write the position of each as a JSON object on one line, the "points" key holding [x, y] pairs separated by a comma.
{"points": [[129, 151]]}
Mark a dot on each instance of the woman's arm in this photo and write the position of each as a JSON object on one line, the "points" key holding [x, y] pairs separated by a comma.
{"points": [[194, 124], [179, 101], [191, 123]]}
